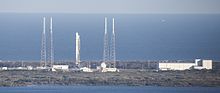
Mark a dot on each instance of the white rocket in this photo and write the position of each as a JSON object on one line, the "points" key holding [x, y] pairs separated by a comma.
{"points": [[51, 43], [77, 49]]}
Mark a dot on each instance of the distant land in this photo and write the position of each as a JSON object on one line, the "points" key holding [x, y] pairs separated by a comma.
{"points": [[133, 73]]}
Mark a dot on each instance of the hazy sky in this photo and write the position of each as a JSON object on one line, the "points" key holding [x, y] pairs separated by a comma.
{"points": [[111, 6]]}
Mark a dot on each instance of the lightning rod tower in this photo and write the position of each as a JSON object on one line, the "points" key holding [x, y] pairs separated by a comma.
{"points": [[51, 43], [113, 54], [106, 47], [43, 46]]}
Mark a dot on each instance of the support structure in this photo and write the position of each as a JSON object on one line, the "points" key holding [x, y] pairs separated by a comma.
{"points": [[109, 54], [43, 46], [51, 43], [112, 53], [44, 50], [106, 46]]}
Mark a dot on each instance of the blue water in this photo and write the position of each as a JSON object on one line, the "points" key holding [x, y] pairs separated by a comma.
{"points": [[138, 36], [107, 89]]}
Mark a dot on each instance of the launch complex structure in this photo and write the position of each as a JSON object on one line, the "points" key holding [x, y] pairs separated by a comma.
{"points": [[109, 54], [43, 62], [108, 64]]}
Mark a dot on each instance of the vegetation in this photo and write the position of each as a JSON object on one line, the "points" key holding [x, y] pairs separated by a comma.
{"points": [[129, 77]]}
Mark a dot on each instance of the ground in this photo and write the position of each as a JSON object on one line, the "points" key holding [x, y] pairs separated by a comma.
{"points": [[129, 77]]}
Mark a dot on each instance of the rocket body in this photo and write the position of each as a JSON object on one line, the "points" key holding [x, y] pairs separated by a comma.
{"points": [[77, 49]]}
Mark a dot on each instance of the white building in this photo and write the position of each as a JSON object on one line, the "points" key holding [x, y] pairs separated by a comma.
{"points": [[175, 66], [60, 68], [104, 68], [86, 69], [203, 64], [30, 68], [199, 64], [21, 68], [112, 70], [4, 68]]}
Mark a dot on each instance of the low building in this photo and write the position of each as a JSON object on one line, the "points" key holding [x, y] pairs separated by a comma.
{"points": [[41, 68], [175, 66], [60, 68], [107, 69], [207, 64], [198, 64], [203, 64], [21, 68], [30, 68], [198, 67], [86, 69], [112, 70], [4, 68]]}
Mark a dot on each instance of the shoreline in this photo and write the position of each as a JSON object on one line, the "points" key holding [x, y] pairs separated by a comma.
{"points": [[82, 85]]}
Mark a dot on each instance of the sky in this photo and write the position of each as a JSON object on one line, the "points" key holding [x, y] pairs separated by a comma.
{"points": [[156, 31], [138, 36], [110, 6]]}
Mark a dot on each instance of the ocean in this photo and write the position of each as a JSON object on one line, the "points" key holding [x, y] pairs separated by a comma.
{"points": [[108, 89], [138, 36]]}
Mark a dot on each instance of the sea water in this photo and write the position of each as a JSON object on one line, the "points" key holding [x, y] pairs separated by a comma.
{"points": [[108, 89]]}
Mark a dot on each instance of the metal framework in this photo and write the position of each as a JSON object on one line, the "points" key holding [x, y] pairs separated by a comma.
{"points": [[51, 43], [112, 53], [109, 54], [43, 62], [106, 46], [43, 46]]}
